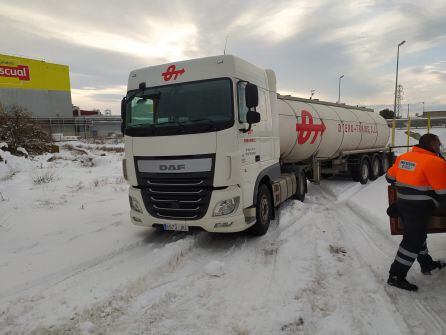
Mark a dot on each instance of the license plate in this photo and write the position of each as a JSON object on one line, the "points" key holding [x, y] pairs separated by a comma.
{"points": [[174, 226]]}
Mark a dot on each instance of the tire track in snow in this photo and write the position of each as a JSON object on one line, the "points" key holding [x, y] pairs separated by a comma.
{"points": [[219, 246], [27, 299], [342, 284], [173, 297], [4, 222], [426, 320], [437, 323], [172, 259], [50, 280]]}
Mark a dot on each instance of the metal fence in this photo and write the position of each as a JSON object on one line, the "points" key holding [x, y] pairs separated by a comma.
{"points": [[84, 127], [419, 122]]}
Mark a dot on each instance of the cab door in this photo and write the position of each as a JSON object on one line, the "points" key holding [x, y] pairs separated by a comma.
{"points": [[257, 144]]}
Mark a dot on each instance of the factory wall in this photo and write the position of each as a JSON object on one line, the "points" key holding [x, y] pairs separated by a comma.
{"points": [[40, 87]]}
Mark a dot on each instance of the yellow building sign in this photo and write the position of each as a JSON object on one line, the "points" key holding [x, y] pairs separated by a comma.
{"points": [[17, 72]]}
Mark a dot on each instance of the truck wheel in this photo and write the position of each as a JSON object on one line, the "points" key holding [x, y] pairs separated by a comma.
{"points": [[263, 211], [364, 170], [375, 168], [300, 187], [360, 169], [384, 165]]}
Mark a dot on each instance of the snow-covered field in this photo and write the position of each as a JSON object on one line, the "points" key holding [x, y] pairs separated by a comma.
{"points": [[71, 262]]}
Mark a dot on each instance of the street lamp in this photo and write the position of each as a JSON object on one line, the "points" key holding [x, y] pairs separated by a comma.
{"points": [[396, 86], [339, 89]]}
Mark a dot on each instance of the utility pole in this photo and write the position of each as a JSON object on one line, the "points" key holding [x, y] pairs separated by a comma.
{"points": [[399, 98], [396, 86]]}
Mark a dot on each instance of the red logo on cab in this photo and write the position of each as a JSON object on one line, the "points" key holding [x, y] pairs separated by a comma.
{"points": [[172, 73]]}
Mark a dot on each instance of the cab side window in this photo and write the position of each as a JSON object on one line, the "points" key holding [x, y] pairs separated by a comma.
{"points": [[242, 109]]}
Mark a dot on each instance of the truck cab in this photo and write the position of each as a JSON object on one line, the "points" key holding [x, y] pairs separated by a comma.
{"points": [[201, 138]]}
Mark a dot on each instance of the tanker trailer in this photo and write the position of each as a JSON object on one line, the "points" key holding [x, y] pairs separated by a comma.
{"points": [[332, 138]]}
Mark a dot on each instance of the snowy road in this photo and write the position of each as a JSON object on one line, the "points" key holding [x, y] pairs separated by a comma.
{"points": [[70, 262]]}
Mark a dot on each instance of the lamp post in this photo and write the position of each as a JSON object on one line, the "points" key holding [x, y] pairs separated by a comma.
{"points": [[396, 87], [339, 89]]}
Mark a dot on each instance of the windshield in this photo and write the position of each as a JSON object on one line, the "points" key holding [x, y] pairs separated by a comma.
{"points": [[182, 106]]}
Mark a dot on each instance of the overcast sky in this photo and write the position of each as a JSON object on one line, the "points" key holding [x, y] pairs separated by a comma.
{"points": [[309, 44]]}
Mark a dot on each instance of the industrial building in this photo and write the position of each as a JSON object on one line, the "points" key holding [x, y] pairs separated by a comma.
{"points": [[42, 88], [435, 113]]}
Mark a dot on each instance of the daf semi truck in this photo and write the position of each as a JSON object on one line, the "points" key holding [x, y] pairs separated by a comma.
{"points": [[211, 145]]}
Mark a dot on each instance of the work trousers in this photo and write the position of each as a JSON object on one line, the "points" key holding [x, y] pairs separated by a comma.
{"points": [[414, 216]]}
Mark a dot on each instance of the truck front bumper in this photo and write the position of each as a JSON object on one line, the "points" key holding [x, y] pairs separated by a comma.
{"points": [[234, 222]]}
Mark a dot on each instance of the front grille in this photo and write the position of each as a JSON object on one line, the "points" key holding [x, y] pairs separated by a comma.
{"points": [[172, 195], [176, 197]]}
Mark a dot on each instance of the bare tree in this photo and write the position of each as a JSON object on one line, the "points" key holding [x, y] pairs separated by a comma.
{"points": [[18, 129]]}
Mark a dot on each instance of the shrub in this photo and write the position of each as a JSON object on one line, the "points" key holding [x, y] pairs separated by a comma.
{"points": [[44, 178], [18, 129]]}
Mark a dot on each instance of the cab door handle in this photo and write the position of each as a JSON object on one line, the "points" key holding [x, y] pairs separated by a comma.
{"points": [[257, 158]]}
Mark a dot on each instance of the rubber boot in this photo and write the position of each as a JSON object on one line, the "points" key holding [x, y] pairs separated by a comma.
{"points": [[401, 283], [426, 270]]}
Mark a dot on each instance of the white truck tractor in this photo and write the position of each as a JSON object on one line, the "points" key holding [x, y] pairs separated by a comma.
{"points": [[209, 144]]}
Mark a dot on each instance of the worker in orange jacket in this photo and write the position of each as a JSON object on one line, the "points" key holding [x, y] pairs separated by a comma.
{"points": [[420, 178]]}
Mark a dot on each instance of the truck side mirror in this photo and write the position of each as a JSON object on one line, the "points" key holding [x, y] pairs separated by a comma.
{"points": [[251, 96], [123, 113], [252, 117]]}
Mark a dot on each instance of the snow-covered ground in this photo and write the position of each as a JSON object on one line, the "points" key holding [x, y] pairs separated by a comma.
{"points": [[71, 262]]}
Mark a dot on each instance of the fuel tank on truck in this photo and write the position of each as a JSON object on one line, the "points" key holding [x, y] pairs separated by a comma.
{"points": [[326, 130]]}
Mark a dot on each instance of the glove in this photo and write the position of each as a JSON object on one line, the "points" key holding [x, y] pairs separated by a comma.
{"points": [[392, 211]]}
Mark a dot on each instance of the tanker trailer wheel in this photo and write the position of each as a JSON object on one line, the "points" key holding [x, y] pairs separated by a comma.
{"points": [[301, 188], [263, 211], [364, 169], [384, 164], [375, 170], [360, 169]]}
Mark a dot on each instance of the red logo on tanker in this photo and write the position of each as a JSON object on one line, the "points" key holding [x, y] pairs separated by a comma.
{"points": [[172, 72], [307, 127], [20, 72]]}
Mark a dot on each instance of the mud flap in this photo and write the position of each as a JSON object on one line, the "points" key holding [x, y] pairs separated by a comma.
{"points": [[437, 222]]}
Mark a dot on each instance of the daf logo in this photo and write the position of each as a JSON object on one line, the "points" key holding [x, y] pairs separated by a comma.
{"points": [[172, 167]]}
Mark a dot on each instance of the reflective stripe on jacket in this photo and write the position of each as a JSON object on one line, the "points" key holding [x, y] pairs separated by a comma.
{"points": [[419, 175]]}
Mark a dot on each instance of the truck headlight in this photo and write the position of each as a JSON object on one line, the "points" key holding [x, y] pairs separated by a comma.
{"points": [[134, 204], [226, 207]]}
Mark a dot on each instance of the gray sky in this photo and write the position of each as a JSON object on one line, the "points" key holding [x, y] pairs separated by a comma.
{"points": [[309, 44]]}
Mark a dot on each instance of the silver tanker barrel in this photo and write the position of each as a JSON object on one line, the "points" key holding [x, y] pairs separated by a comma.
{"points": [[323, 130]]}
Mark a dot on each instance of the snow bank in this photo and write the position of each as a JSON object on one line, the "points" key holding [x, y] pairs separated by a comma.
{"points": [[11, 165], [215, 269]]}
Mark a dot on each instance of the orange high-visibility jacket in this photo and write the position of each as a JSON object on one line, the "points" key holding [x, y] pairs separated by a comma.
{"points": [[419, 175]]}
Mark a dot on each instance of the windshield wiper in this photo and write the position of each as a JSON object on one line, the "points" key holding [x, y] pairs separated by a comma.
{"points": [[197, 123], [199, 120], [139, 125], [170, 123], [165, 125], [194, 124]]}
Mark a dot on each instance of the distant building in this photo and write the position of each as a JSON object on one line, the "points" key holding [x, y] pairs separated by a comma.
{"points": [[438, 113], [81, 112], [40, 87]]}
